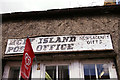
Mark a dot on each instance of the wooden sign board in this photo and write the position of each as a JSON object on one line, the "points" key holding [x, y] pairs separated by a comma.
{"points": [[62, 43]]}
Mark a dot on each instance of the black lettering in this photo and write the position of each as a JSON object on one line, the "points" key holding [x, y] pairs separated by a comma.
{"points": [[88, 42], [58, 46], [51, 47], [45, 40], [93, 41], [12, 42], [96, 41], [21, 49], [101, 37], [45, 47], [107, 37], [51, 40], [100, 42], [65, 39], [70, 46], [86, 37], [81, 38], [63, 46], [9, 49], [58, 40], [72, 39], [19, 41], [39, 48], [16, 49], [40, 40], [96, 37], [93, 37]]}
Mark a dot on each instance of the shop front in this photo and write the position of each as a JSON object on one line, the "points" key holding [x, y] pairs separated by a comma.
{"points": [[81, 57], [65, 70], [78, 43]]}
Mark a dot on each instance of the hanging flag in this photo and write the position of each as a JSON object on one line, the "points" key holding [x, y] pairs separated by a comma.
{"points": [[27, 60]]}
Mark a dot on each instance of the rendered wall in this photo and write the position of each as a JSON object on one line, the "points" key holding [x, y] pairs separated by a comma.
{"points": [[64, 26]]}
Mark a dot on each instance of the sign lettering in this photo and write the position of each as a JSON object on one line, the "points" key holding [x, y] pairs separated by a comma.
{"points": [[62, 43]]}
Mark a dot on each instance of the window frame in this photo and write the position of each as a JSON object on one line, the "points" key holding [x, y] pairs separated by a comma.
{"points": [[8, 66], [56, 64], [74, 66], [109, 62]]}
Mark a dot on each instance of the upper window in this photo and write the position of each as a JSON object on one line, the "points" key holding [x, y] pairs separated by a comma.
{"points": [[66, 70], [102, 71], [14, 73], [96, 71], [89, 71], [57, 72]]}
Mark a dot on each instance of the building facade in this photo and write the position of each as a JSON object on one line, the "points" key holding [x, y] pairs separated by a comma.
{"points": [[79, 64]]}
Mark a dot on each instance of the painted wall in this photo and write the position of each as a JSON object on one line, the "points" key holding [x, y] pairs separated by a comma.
{"points": [[62, 26]]}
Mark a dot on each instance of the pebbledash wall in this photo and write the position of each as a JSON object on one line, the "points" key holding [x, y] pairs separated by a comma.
{"points": [[65, 22]]}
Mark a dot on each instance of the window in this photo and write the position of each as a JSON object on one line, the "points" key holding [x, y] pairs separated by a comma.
{"points": [[53, 72], [96, 71], [89, 72], [85, 69], [103, 72], [65, 70], [63, 73], [50, 73], [14, 73]]}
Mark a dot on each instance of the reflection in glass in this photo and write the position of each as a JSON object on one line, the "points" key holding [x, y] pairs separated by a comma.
{"points": [[103, 72], [50, 73], [89, 72], [63, 73]]}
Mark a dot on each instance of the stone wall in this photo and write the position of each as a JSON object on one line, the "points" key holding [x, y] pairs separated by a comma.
{"points": [[118, 56], [0, 46], [62, 26]]}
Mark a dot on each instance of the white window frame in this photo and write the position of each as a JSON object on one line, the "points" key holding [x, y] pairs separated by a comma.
{"points": [[110, 63], [56, 67], [75, 67], [43, 68], [8, 66]]}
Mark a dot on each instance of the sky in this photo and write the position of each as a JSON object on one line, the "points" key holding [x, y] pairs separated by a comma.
{"points": [[11, 6]]}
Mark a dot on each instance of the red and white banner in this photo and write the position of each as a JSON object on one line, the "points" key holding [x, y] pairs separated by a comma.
{"points": [[27, 60]]}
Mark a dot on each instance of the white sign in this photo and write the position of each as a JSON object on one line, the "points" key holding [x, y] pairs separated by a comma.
{"points": [[62, 43]]}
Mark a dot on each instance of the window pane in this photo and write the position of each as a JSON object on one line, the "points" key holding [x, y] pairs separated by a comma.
{"points": [[14, 73], [103, 72], [50, 73], [89, 72], [63, 73]]}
